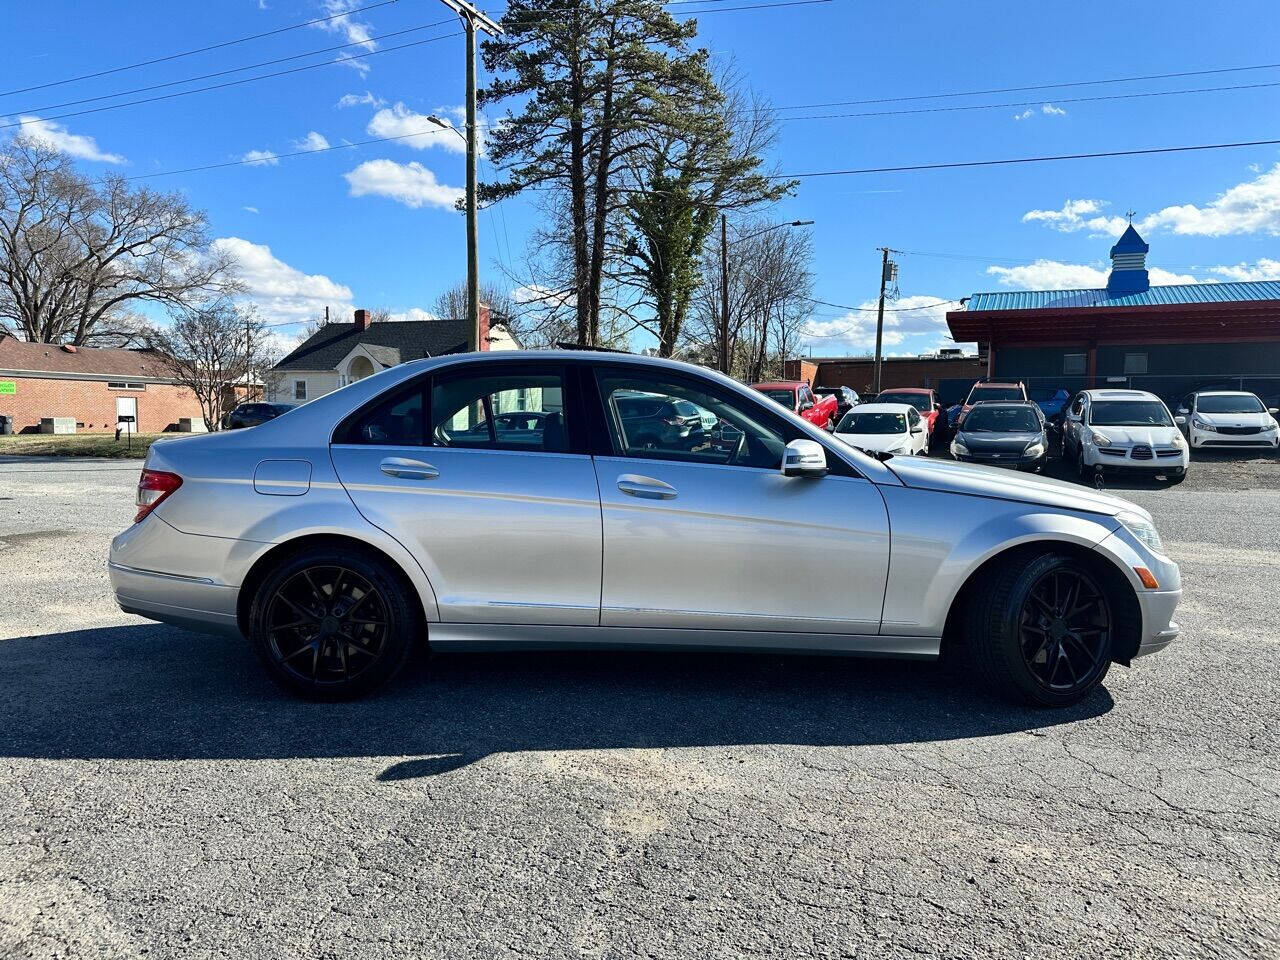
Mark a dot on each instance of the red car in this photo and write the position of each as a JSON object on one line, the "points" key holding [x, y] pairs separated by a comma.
{"points": [[796, 396], [923, 399]]}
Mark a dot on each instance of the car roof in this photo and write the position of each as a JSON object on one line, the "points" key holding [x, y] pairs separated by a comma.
{"points": [[1223, 393], [1006, 405], [997, 383], [881, 408], [1120, 395], [906, 390], [788, 384]]}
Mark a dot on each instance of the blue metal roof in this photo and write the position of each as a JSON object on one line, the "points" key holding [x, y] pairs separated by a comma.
{"points": [[1154, 296]]}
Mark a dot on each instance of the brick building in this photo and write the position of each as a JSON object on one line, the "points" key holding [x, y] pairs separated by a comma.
{"points": [[94, 386]]}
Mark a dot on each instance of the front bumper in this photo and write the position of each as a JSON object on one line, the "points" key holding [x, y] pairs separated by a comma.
{"points": [[1204, 439], [1011, 460], [1152, 461]]}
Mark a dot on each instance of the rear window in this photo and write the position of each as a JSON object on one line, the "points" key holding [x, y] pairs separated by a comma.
{"points": [[918, 400], [985, 394], [785, 397]]}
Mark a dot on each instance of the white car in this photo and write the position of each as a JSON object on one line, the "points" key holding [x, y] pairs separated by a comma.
{"points": [[895, 428], [1123, 430], [1227, 418]]}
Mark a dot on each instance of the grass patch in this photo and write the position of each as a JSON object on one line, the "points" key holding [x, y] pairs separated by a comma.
{"points": [[79, 445]]}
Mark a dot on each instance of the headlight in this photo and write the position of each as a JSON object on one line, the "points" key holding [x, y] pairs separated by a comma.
{"points": [[1099, 440], [1178, 441], [958, 449], [1034, 450], [1269, 427], [1143, 529], [1203, 425]]}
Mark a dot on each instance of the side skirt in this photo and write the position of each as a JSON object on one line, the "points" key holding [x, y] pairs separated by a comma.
{"points": [[507, 636]]}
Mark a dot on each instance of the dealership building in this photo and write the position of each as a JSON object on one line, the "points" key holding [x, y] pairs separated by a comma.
{"points": [[1166, 339]]}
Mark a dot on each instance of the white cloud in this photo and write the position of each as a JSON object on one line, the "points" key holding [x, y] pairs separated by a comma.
{"points": [[346, 26], [260, 158], [920, 318], [281, 292], [409, 183], [355, 63], [400, 121], [1249, 207], [250, 209], [57, 137], [1264, 269], [312, 141], [366, 99], [1048, 109], [413, 313], [1056, 275]]}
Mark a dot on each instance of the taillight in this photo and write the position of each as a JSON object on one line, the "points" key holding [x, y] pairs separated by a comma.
{"points": [[153, 487]]}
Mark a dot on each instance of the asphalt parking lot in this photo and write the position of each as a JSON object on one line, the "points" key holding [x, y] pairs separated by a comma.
{"points": [[160, 796]]}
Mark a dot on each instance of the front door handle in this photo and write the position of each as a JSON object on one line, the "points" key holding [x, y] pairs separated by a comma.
{"points": [[645, 487], [408, 469]]}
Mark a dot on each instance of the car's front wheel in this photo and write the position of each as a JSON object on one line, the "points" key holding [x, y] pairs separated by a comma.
{"points": [[333, 624], [1040, 629]]}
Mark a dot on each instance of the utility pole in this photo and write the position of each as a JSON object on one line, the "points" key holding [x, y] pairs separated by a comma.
{"points": [[724, 294], [888, 270], [472, 19]]}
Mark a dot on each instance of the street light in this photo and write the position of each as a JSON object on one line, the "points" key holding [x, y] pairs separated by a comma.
{"points": [[724, 279], [471, 19]]}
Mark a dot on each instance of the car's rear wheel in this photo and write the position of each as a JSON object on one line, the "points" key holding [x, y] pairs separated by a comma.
{"points": [[1040, 629], [332, 625]]}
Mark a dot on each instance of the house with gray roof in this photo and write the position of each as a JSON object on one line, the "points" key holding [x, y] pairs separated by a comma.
{"points": [[341, 353]]}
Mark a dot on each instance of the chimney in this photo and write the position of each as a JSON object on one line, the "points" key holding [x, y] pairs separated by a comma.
{"points": [[362, 319], [483, 310]]}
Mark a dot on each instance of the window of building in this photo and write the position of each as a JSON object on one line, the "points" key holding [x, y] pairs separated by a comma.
{"points": [[299, 389], [125, 385], [1073, 365], [1135, 364]]}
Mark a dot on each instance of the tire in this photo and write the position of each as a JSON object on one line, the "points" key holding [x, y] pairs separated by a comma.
{"points": [[1175, 480], [1020, 644], [327, 649]]}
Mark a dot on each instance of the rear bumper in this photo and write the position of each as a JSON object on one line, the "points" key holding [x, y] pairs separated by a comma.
{"points": [[196, 603]]}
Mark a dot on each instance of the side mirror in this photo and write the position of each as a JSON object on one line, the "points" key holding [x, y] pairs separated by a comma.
{"points": [[1184, 409], [804, 458], [918, 428], [1273, 410], [807, 405], [1180, 421]]}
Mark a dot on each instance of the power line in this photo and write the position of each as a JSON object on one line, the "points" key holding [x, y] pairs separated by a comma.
{"points": [[235, 83], [188, 53], [1016, 160], [1039, 86], [1032, 103], [223, 73], [285, 156], [843, 306]]}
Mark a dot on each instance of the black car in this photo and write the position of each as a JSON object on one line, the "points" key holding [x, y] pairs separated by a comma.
{"points": [[658, 422], [846, 398], [1002, 434], [251, 414]]}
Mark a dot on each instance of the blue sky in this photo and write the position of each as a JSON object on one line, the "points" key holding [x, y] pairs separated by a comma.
{"points": [[372, 226]]}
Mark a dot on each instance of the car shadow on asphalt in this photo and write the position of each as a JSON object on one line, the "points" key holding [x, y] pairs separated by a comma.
{"points": [[156, 692]]}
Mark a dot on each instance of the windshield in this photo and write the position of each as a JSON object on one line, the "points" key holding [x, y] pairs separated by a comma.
{"points": [[918, 400], [873, 423], [983, 394], [785, 397], [1129, 413], [1001, 420], [1240, 403]]}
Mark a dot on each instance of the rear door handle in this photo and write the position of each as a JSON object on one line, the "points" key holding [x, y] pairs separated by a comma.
{"points": [[408, 469], [646, 488]]}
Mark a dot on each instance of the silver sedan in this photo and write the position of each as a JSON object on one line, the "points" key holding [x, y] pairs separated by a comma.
{"points": [[576, 499]]}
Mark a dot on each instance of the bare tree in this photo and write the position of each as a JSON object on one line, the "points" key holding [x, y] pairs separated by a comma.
{"points": [[212, 350], [77, 254], [770, 281], [452, 304]]}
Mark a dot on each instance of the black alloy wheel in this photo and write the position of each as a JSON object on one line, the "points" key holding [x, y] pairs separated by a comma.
{"points": [[1065, 629], [330, 626], [1040, 627]]}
